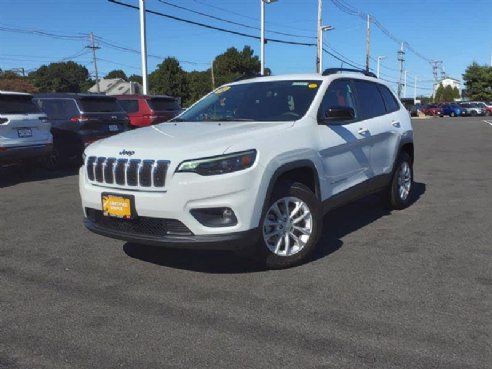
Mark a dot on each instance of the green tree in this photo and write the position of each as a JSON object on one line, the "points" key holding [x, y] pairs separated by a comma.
{"points": [[60, 77], [170, 79], [135, 78], [117, 73], [478, 82], [234, 63], [200, 84], [438, 97]]}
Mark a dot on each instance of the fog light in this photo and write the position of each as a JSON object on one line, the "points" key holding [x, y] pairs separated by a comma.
{"points": [[215, 217]]}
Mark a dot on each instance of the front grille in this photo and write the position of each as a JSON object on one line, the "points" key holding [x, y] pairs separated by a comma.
{"points": [[144, 226], [127, 172]]}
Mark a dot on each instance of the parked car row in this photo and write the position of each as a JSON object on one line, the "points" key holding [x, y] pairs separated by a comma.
{"points": [[453, 109], [55, 128]]}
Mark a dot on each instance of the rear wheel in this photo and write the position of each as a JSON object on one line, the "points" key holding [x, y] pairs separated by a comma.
{"points": [[290, 226], [400, 189], [473, 113]]}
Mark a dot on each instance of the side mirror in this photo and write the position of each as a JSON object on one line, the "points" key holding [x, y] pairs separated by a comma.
{"points": [[338, 114]]}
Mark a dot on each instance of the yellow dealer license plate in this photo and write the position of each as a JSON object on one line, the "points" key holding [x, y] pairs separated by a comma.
{"points": [[120, 206]]}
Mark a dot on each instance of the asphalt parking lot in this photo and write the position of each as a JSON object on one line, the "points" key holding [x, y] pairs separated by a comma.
{"points": [[407, 289]]}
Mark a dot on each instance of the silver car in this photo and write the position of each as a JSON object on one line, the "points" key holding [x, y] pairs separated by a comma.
{"points": [[24, 129]]}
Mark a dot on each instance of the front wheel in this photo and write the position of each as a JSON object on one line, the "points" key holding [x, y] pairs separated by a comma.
{"points": [[290, 226], [401, 186]]}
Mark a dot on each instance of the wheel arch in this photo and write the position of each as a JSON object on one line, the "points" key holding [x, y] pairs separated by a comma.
{"points": [[303, 171]]}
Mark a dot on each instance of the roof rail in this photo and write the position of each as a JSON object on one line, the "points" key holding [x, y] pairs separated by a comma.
{"points": [[248, 76], [329, 71]]}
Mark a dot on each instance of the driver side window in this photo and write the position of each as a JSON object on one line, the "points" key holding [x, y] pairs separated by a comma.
{"points": [[338, 95]]}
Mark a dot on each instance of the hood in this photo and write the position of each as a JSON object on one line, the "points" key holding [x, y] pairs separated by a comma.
{"points": [[183, 139]]}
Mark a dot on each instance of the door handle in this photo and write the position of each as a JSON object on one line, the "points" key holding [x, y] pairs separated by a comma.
{"points": [[396, 124], [362, 131]]}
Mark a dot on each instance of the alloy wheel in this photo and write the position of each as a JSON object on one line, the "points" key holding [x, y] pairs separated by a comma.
{"points": [[288, 226]]}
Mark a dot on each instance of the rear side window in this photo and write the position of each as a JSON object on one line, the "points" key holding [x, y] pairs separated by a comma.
{"points": [[389, 99], [99, 105], [17, 104], [130, 106], [59, 108], [163, 104], [371, 102]]}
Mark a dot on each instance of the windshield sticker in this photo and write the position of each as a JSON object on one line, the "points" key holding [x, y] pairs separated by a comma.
{"points": [[299, 83], [313, 85], [222, 90]]}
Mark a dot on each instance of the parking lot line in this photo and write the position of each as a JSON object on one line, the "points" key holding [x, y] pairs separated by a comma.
{"points": [[489, 122]]}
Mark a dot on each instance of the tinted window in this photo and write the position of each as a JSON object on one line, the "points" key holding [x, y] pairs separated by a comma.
{"points": [[338, 94], [389, 99], [370, 101], [99, 105], [58, 108], [17, 104], [163, 104], [130, 106]]}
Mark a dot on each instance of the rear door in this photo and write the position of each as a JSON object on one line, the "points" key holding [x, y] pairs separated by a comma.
{"points": [[382, 113], [21, 122]]}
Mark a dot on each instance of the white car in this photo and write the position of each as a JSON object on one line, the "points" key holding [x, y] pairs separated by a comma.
{"points": [[24, 129], [252, 166]]}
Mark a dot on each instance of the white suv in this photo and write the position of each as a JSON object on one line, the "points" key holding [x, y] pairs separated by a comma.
{"points": [[24, 129], [252, 166]]}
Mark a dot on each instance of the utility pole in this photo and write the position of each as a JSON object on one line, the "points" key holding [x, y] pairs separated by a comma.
{"points": [[401, 59], [405, 85], [94, 47], [435, 67], [143, 46], [368, 41], [319, 38], [213, 76], [378, 65], [415, 91]]}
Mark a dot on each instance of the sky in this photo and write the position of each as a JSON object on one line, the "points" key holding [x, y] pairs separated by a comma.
{"points": [[456, 32]]}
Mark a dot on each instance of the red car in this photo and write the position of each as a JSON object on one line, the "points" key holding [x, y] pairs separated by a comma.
{"points": [[145, 110], [431, 109]]}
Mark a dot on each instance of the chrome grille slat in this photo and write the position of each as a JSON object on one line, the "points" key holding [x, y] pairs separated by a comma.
{"points": [[127, 172]]}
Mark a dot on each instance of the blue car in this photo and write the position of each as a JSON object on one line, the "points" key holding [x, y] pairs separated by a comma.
{"points": [[453, 110]]}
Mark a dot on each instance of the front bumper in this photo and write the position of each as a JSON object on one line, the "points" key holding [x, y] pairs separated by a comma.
{"points": [[231, 241]]}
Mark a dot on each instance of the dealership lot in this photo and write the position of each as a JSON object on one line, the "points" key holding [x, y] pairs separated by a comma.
{"points": [[408, 289]]}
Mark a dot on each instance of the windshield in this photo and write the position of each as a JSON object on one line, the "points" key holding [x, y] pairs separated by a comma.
{"points": [[256, 101]]}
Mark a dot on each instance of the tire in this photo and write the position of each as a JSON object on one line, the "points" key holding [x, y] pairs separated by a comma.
{"points": [[473, 113], [287, 238], [399, 192], [55, 160]]}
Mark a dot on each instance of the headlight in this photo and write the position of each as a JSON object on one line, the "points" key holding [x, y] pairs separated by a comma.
{"points": [[219, 164]]}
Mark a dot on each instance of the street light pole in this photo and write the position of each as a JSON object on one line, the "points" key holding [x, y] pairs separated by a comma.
{"points": [[262, 38], [143, 45], [319, 49], [379, 61], [323, 29]]}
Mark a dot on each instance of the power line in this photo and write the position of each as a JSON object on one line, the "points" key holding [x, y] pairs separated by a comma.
{"points": [[212, 27], [42, 33], [229, 21], [344, 7]]}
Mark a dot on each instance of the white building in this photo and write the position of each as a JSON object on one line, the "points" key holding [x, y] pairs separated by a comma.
{"points": [[117, 86], [448, 81]]}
